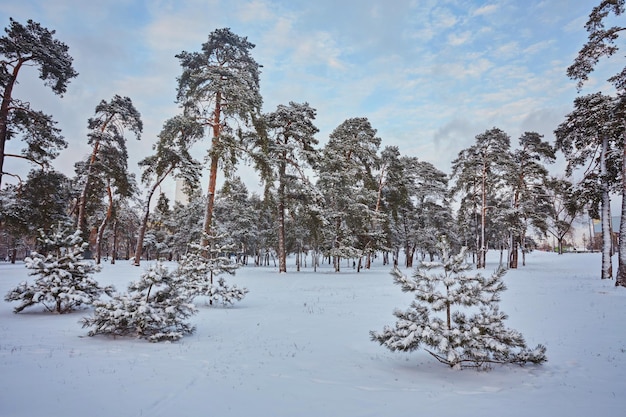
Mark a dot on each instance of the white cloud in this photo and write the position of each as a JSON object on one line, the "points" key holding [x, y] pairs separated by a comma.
{"points": [[486, 9], [255, 10], [458, 39]]}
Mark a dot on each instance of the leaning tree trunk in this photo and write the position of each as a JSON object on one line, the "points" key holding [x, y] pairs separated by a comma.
{"points": [[9, 83], [103, 225], [146, 215]]}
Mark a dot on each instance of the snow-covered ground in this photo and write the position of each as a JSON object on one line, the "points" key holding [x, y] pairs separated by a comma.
{"points": [[298, 345]]}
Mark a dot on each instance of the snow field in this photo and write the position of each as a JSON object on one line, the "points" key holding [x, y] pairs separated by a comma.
{"points": [[298, 345]]}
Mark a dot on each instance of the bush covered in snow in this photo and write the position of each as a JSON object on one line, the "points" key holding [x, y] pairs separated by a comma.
{"points": [[455, 315], [64, 280], [155, 308]]}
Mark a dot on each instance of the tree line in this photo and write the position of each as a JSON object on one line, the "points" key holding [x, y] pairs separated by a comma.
{"points": [[344, 203]]}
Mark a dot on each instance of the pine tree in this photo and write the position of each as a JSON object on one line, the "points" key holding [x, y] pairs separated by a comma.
{"points": [[456, 316], [289, 151], [601, 43], [155, 308], [591, 137], [64, 280], [346, 180], [480, 172], [22, 46], [529, 205], [236, 219], [219, 87], [199, 268], [565, 205], [109, 155], [171, 157]]}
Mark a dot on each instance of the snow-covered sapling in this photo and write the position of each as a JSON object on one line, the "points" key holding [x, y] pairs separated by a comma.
{"points": [[64, 280], [155, 308], [202, 265], [455, 315]]}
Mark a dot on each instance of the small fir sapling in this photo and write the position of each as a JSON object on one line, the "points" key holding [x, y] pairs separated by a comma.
{"points": [[155, 308], [203, 264], [64, 280], [455, 316]]}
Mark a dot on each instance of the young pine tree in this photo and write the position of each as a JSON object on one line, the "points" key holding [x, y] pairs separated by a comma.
{"points": [[199, 268], [155, 308], [456, 316], [64, 279]]}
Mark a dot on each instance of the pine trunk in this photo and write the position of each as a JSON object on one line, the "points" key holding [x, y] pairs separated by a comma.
{"points": [[621, 269], [4, 113], [607, 240], [208, 215], [114, 252], [146, 216], [82, 202], [514, 253], [282, 251], [282, 255], [482, 256], [103, 225], [142, 233]]}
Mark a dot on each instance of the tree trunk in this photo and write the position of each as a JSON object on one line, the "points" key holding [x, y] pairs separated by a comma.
{"points": [[208, 215], [82, 202], [282, 251], [620, 280], [514, 253], [483, 220], [4, 113], [144, 224], [103, 225], [114, 253], [607, 239], [523, 248]]}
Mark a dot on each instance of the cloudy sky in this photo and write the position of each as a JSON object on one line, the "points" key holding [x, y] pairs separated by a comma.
{"points": [[429, 74]]}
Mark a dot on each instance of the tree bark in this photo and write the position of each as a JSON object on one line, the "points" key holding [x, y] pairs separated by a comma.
{"points": [[607, 239], [620, 280], [482, 256], [144, 221], [208, 215], [82, 202], [103, 225], [114, 252], [4, 113], [282, 251]]}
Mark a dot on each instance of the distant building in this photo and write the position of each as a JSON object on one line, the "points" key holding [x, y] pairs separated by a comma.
{"points": [[597, 231], [180, 196]]}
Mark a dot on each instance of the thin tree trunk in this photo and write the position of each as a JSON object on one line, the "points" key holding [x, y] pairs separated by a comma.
{"points": [[82, 202], [483, 220], [620, 280], [146, 216], [514, 253], [103, 225], [282, 251], [114, 253], [607, 239], [142, 231]]}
